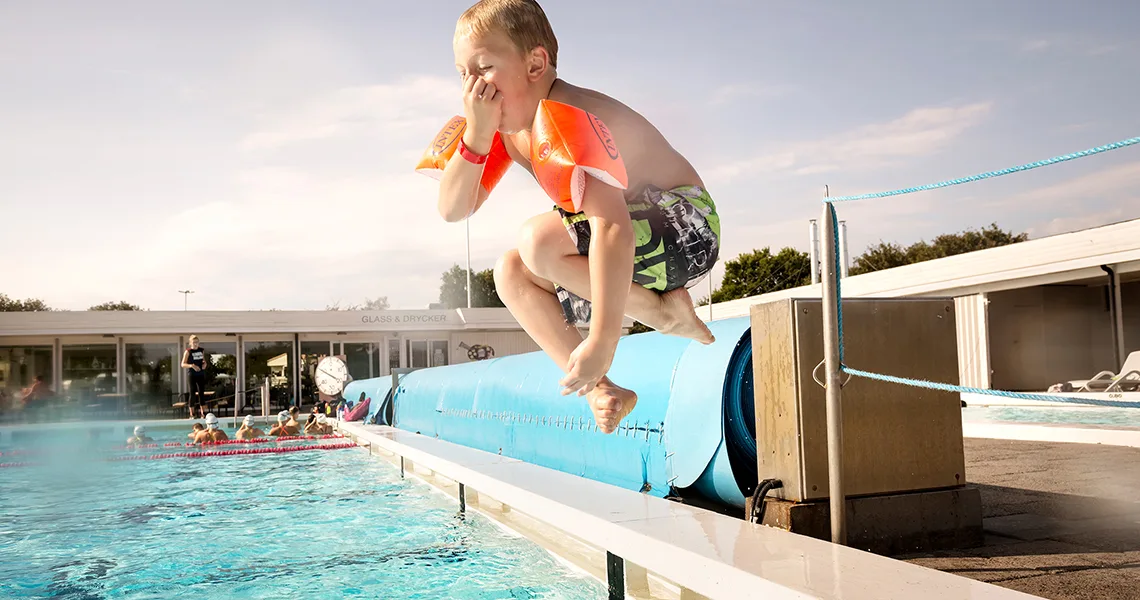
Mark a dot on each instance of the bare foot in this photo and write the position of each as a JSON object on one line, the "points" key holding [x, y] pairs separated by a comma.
{"points": [[610, 403], [681, 317]]}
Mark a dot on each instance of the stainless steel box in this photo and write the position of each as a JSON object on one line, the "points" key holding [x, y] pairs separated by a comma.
{"points": [[896, 438]]}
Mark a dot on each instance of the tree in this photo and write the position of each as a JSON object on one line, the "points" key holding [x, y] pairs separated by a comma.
{"points": [[115, 306], [761, 272], [380, 303], [453, 289], [755, 273], [29, 305], [886, 256]]}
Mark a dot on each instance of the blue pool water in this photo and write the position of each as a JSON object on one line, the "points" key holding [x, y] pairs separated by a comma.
{"points": [[1090, 416], [321, 524]]}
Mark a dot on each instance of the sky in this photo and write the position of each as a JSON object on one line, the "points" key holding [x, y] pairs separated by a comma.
{"points": [[261, 153]]}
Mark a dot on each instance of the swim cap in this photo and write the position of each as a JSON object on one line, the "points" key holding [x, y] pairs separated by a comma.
{"points": [[283, 416], [321, 418], [139, 430], [248, 421], [211, 421]]}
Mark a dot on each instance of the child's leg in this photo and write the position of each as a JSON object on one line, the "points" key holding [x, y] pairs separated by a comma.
{"points": [[532, 301], [548, 252]]}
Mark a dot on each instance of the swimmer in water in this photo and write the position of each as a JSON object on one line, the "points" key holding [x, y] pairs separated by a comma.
{"points": [[319, 425], [247, 431], [212, 433], [280, 428], [139, 437], [294, 425], [195, 430], [630, 239]]}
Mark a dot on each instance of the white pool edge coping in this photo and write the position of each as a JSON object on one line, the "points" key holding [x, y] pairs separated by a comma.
{"points": [[1033, 432], [664, 539]]}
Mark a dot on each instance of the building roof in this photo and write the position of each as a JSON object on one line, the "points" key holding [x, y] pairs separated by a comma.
{"points": [[255, 321], [1067, 258]]}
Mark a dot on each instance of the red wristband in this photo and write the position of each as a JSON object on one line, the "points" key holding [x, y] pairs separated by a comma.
{"points": [[470, 156]]}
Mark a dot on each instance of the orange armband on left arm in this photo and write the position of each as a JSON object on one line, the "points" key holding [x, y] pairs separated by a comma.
{"points": [[446, 143], [569, 143]]}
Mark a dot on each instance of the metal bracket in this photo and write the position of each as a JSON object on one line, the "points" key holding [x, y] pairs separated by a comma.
{"points": [[815, 376], [615, 576]]}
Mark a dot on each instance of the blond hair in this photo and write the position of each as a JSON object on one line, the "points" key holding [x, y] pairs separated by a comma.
{"points": [[522, 21]]}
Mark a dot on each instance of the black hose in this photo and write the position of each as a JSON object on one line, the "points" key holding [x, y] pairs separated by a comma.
{"points": [[758, 495]]}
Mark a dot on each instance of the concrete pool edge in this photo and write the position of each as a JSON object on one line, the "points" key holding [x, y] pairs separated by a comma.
{"points": [[1044, 432], [713, 555]]}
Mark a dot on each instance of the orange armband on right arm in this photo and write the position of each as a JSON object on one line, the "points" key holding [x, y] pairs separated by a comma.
{"points": [[446, 144]]}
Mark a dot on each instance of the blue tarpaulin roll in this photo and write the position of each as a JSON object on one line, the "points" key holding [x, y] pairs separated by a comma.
{"points": [[692, 427]]}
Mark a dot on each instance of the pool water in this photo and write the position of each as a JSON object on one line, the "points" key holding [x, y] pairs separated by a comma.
{"points": [[316, 524], [1090, 416]]}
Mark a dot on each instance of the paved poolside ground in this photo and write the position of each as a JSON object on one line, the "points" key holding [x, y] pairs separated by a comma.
{"points": [[1062, 520]]}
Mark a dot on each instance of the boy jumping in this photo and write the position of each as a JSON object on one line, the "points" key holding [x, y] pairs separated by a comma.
{"points": [[635, 212]]}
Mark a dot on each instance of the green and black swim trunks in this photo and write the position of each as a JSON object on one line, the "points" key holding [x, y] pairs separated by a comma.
{"points": [[677, 237]]}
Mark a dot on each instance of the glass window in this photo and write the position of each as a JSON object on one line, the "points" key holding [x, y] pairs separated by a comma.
{"points": [[90, 378], [19, 368], [362, 359], [311, 354], [393, 355], [417, 354], [150, 370], [221, 374], [275, 361], [438, 353]]}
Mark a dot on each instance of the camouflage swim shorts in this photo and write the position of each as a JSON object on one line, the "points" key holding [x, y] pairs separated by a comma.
{"points": [[677, 237]]}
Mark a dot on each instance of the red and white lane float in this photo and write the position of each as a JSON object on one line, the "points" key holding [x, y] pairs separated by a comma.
{"points": [[200, 454]]}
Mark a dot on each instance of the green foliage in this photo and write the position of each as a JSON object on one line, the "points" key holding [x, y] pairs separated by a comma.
{"points": [[761, 272], [115, 306], [380, 303], [453, 289], [887, 256], [29, 305]]}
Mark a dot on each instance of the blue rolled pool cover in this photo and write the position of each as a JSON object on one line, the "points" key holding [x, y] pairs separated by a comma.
{"points": [[377, 390], [690, 396]]}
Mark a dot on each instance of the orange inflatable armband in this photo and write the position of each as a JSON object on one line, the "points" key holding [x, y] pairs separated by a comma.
{"points": [[446, 143], [567, 144]]}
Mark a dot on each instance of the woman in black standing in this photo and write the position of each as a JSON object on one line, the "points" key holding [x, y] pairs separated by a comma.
{"points": [[194, 360]]}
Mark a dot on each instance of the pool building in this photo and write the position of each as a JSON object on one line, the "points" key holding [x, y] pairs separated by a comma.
{"points": [[125, 364]]}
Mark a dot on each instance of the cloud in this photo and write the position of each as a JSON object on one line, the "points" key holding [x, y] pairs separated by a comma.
{"points": [[1065, 43], [372, 110], [1110, 184], [735, 92], [922, 131], [1078, 222]]}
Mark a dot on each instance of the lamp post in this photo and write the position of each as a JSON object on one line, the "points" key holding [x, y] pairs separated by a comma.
{"points": [[185, 296], [468, 221]]}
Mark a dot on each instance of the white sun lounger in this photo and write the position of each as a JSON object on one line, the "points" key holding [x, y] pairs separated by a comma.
{"points": [[1128, 380]]}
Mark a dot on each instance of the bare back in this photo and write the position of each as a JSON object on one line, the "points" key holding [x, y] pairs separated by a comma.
{"points": [[649, 158]]}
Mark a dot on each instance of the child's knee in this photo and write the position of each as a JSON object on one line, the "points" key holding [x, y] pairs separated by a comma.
{"points": [[539, 245], [508, 268]]}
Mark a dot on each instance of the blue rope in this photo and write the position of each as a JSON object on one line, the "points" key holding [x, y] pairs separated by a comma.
{"points": [[922, 383], [961, 180], [945, 386]]}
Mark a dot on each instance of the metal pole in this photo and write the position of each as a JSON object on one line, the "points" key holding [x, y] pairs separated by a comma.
{"points": [[844, 257], [813, 250], [833, 379], [710, 293], [468, 221]]}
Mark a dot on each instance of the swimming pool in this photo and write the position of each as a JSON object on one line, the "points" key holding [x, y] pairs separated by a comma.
{"points": [[334, 523], [1087, 416]]}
